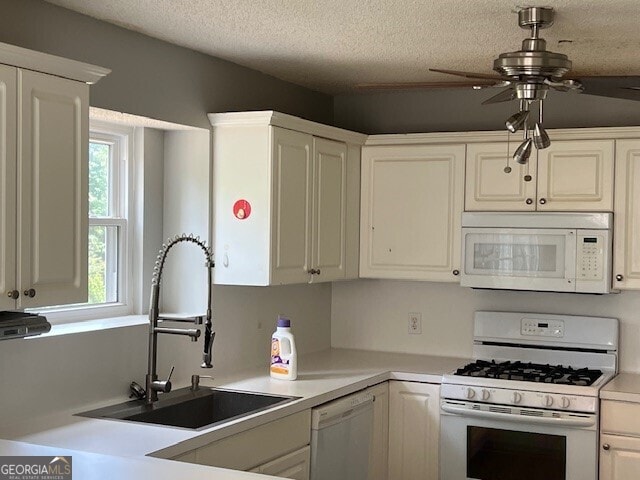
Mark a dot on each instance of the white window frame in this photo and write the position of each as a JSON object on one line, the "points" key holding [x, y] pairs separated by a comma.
{"points": [[121, 138]]}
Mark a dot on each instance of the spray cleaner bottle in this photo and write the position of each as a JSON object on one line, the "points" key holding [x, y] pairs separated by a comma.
{"points": [[284, 359]]}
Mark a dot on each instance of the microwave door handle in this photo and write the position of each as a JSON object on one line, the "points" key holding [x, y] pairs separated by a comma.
{"points": [[571, 251], [578, 421]]}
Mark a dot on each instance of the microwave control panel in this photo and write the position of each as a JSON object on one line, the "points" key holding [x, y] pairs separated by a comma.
{"points": [[590, 257]]}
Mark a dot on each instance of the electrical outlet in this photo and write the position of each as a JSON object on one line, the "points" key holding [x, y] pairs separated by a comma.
{"points": [[415, 323]]}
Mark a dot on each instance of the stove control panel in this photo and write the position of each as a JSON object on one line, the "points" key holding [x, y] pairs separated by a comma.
{"points": [[521, 398], [542, 328]]}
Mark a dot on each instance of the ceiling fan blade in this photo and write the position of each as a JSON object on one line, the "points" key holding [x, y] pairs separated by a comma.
{"points": [[625, 87], [422, 85], [483, 76], [505, 95]]}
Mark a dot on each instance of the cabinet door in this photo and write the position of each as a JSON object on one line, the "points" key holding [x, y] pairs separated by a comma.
{"points": [[412, 199], [619, 457], [294, 465], [53, 173], [626, 257], [329, 209], [379, 453], [489, 187], [414, 430], [292, 206], [7, 186], [576, 176]]}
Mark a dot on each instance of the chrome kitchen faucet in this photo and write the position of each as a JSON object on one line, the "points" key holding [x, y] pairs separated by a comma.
{"points": [[153, 385]]}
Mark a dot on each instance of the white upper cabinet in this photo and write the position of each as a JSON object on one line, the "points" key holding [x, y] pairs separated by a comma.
{"points": [[412, 199], [44, 146], [570, 175], [292, 206], [626, 257], [488, 187], [285, 210], [53, 200], [329, 227], [576, 176], [8, 116]]}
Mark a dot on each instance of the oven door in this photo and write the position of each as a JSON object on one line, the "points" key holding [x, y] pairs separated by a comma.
{"points": [[519, 259], [486, 446]]}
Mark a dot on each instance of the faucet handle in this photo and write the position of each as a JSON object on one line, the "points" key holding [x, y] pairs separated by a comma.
{"points": [[163, 386]]}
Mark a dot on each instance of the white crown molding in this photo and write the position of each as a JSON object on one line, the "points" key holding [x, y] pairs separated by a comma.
{"points": [[51, 64], [277, 119], [600, 133]]}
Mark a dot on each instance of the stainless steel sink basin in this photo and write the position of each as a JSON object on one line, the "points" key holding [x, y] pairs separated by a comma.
{"points": [[186, 408]]}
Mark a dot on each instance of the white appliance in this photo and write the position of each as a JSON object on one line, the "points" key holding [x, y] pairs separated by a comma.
{"points": [[561, 252], [527, 408], [341, 438]]}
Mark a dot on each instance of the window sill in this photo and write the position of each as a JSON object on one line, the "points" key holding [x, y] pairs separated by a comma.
{"points": [[93, 325]]}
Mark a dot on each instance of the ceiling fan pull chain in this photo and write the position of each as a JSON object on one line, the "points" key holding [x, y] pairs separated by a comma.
{"points": [[507, 169]]}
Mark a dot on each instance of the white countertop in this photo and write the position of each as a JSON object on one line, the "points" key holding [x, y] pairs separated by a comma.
{"points": [[624, 387], [94, 466], [322, 377]]}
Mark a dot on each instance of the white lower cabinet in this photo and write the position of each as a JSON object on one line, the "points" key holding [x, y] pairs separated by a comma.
{"points": [[278, 448], [294, 465], [619, 440], [414, 430], [619, 457], [379, 453]]}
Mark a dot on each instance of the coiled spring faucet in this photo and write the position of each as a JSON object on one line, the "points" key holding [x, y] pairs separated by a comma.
{"points": [[153, 385]]}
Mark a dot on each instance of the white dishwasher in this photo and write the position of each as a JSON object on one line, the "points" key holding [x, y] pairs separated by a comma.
{"points": [[341, 438]]}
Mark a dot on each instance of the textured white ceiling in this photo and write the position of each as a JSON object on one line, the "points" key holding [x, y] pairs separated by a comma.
{"points": [[331, 45]]}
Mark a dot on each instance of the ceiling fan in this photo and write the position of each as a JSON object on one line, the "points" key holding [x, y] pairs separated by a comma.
{"points": [[527, 75]]}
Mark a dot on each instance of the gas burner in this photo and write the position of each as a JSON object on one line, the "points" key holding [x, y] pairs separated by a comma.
{"points": [[530, 372]]}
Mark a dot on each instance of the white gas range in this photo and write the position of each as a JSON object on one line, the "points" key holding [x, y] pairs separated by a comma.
{"points": [[527, 407]]}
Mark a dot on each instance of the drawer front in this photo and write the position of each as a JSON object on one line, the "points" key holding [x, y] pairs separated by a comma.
{"points": [[620, 418], [259, 445]]}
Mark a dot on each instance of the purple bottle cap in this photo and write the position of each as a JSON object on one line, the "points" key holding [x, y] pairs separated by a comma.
{"points": [[283, 322]]}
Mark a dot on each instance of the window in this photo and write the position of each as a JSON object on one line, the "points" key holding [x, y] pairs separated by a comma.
{"points": [[107, 219], [109, 269]]}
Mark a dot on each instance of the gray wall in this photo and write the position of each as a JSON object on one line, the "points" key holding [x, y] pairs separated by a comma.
{"points": [[150, 77], [461, 110]]}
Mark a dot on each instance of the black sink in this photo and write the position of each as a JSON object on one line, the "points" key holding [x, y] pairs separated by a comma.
{"points": [[197, 409]]}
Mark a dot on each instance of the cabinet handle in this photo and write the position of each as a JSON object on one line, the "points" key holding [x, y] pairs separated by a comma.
{"points": [[15, 294], [318, 271], [456, 272], [543, 201], [619, 278], [30, 293], [314, 271], [529, 201], [606, 446]]}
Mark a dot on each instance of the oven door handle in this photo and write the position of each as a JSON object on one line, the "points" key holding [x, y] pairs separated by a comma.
{"points": [[586, 421]]}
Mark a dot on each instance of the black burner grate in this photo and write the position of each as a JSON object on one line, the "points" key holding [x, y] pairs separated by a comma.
{"points": [[530, 372]]}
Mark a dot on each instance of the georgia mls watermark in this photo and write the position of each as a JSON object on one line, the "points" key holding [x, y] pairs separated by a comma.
{"points": [[35, 468]]}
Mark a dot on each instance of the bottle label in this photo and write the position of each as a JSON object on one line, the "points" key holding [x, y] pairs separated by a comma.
{"points": [[278, 364]]}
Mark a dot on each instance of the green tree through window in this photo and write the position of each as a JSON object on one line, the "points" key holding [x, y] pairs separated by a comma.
{"points": [[99, 159]]}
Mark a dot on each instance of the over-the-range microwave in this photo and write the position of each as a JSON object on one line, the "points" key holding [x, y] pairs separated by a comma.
{"points": [[558, 252]]}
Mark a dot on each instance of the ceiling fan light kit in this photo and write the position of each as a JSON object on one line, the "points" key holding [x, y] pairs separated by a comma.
{"points": [[523, 152]]}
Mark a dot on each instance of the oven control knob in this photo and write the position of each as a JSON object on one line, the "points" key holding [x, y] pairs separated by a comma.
{"points": [[565, 402], [470, 393], [516, 397], [485, 394], [547, 400]]}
